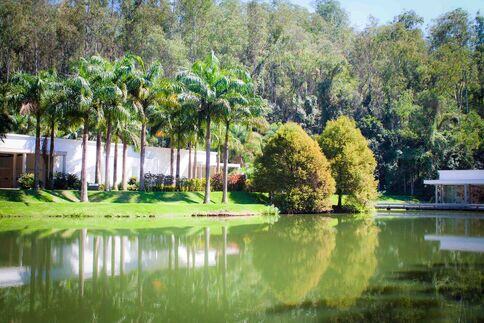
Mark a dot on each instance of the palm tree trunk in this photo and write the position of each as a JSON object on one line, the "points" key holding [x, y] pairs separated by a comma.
{"points": [[115, 166], [207, 162], [51, 154], [218, 159], [123, 176], [85, 132], [107, 184], [45, 158], [190, 160], [194, 172], [142, 157], [226, 161], [178, 148], [97, 175], [37, 153], [172, 157]]}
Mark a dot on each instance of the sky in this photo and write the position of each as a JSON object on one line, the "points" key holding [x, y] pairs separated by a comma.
{"points": [[385, 10]]}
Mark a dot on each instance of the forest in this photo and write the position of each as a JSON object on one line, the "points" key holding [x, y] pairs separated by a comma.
{"points": [[414, 87]]}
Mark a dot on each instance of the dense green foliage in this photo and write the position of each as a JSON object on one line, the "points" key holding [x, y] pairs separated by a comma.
{"points": [[352, 163], [415, 93], [295, 172]]}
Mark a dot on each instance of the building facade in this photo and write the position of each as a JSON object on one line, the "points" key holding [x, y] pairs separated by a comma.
{"points": [[17, 156], [459, 186]]}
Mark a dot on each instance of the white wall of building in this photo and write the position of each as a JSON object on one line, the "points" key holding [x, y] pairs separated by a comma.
{"points": [[157, 159]]}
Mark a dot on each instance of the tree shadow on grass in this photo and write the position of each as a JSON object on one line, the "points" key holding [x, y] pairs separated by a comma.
{"points": [[246, 198], [12, 195], [61, 195], [143, 197]]}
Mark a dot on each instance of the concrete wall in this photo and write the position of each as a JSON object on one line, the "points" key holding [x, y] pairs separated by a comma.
{"points": [[157, 159]]}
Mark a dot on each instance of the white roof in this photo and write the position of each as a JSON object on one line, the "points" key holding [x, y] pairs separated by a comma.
{"points": [[458, 177]]}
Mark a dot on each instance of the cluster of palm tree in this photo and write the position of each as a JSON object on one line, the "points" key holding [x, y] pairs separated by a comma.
{"points": [[124, 99]]}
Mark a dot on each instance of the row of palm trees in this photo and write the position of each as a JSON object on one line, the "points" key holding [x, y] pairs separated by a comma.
{"points": [[126, 98]]}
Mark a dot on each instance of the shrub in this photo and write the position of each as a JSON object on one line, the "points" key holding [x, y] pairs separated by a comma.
{"points": [[192, 184], [216, 182], [235, 182], [295, 172], [66, 181], [132, 180], [154, 182], [352, 163], [133, 187], [26, 181]]}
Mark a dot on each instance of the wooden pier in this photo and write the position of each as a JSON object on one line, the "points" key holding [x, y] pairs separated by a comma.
{"points": [[430, 206]]}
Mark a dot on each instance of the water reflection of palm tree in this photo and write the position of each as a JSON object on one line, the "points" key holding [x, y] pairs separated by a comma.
{"points": [[352, 265], [205, 265], [95, 257], [82, 237], [294, 254], [33, 268], [140, 271]]}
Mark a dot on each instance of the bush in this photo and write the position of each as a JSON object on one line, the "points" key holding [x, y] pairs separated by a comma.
{"points": [[295, 172], [352, 162], [216, 182], [132, 180], [133, 187], [26, 181], [192, 184], [235, 182], [154, 182], [66, 181], [159, 182]]}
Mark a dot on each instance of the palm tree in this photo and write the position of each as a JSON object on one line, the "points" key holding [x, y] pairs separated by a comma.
{"points": [[240, 105], [128, 133], [107, 96], [55, 101], [210, 84], [141, 85], [27, 90], [174, 116], [80, 109]]}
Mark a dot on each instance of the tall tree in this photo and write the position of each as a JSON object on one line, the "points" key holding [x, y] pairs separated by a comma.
{"points": [[142, 84], [209, 84], [28, 92], [81, 110]]}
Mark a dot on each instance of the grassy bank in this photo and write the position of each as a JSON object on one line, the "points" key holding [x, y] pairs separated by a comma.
{"points": [[123, 204]]}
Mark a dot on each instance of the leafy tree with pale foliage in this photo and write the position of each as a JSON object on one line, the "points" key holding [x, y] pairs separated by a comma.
{"points": [[295, 172], [352, 163]]}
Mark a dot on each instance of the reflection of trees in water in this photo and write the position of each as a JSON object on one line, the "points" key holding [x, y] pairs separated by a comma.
{"points": [[352, 265], [294, 254]]}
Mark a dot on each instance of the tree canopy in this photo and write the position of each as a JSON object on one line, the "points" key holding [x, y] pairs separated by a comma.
{"points": [[294, 171], [352, 162]]}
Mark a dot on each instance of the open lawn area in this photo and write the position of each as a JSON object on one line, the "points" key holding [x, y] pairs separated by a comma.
{"points": [[123, 204], [135, 204]]}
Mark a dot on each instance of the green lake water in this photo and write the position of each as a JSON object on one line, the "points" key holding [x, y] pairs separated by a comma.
{"points": [[299, 268]]}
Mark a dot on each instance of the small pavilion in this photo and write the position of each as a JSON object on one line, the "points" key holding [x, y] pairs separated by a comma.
{"points": [[459, 186]]}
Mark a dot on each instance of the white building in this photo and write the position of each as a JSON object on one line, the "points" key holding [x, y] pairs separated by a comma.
{"points": [[17, 157], [459, 186]]}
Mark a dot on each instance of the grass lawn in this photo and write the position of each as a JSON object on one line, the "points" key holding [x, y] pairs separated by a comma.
{"points": [[397, 199], [123, 204]]}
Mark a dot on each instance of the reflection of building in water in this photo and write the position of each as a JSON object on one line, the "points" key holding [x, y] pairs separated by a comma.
{"points": [[113, 255], [456, 235]]}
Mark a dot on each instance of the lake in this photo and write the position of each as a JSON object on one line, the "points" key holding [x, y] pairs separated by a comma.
{"points": [[299, 268]]}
